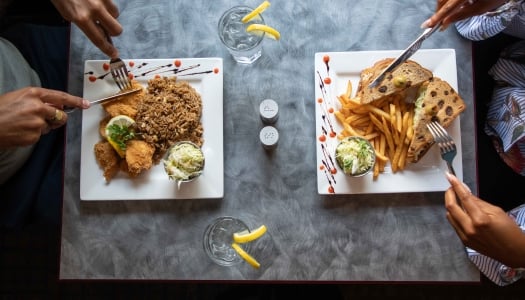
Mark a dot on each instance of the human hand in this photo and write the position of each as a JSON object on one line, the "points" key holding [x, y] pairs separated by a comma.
{"points": [[89, 16], [27, 113], [450, 11], [484, 227]]}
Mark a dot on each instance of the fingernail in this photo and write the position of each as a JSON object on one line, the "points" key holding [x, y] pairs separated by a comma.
{"points": [[449, 176], [86, 103], [425, 24]]}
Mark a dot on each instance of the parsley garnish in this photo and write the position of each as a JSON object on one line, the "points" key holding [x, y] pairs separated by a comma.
{"points": [[120, 134]]}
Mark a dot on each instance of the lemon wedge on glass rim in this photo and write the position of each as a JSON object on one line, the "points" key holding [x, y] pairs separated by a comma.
{"points": [[247, 257], [246, 236], [258, 10], [118, 132]]}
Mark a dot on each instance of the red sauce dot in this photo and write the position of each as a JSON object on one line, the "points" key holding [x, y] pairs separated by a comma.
{"points": [[177, 63], [319, 100], [131, 63], [333, 171], [333, 134], [331, 110], [322, 138], [216, 70], [131, 76], [92, 78], [326, 58], [331, 190], [105, 66], [157, 76], [321, 167], [327, 80]]}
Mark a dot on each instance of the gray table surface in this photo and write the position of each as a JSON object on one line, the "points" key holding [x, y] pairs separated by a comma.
{"points": [[381, 237]]}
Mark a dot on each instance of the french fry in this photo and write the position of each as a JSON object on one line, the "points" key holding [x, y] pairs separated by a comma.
{"points": [[387, 124], [348, 93]]}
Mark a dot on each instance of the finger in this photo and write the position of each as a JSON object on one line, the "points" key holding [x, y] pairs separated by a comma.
{"points": [[112, 8], [451, 204], [474, 8], [110, 24], [461, 190], [444, 10], [60, 99], [469, 202], [97, 36], [457, 227], [456, 216], [46, 129], [58, 120], [440, 4], [448, 8]]}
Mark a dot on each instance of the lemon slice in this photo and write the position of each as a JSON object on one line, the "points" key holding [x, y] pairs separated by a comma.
{"points": [[245, 236], [258, 10], [118, 133], [247, 257], [260, 29]]}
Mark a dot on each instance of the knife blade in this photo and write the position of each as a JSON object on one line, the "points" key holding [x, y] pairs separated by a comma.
{"points": [[405, 55], [107, 99]]}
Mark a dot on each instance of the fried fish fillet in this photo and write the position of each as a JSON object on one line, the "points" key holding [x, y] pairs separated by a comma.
{"points": [[126, 105], [107, 158], [139, 157]]}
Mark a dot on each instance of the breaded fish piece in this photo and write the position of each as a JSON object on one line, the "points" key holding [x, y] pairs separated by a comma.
{"points": [[139, 156], [102, 126], [107, 158], [126, 105]]}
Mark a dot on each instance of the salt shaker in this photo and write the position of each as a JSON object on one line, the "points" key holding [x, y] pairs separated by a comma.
{"points": [[268, 110]]}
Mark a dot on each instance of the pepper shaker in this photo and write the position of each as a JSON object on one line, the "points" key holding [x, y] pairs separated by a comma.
{"points": [[269, 136]]}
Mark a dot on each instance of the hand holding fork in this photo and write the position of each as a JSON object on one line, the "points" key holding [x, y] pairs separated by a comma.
{"points": [[119, 72]]}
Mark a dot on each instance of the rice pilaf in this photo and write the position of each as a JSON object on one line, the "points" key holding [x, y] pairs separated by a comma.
{"points": [[170, 112]]}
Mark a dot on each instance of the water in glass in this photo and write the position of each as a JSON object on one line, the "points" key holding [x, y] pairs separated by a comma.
{"points": [[243, 46]]}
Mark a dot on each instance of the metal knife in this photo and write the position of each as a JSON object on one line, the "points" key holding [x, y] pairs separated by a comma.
{"points": [[106, 99], [405, 55]]}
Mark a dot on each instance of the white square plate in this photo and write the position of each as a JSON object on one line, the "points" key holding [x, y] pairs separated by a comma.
{"points": [[206, 76], [425, 176]]}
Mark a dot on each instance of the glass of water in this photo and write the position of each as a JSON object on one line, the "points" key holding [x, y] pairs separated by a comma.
{"points": [[245, 48], [218, 239]]}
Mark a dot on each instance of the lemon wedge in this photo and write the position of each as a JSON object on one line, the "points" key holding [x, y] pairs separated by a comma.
{"points": [[246, 236], [260, 29], [258, 10], [247, 257], [118, 132]]}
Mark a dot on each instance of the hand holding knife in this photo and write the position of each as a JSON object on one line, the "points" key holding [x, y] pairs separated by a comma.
{"points": [[446, 10]]}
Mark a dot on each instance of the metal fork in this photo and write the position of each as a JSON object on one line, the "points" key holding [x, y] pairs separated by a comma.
{"points": [[117, 67], [446, 144]]}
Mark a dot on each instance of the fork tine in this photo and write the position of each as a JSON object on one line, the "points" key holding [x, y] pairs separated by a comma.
{"points": [[446, 144], [438, 136], [433, 131], [125, 77], [447, 141], [120, 77], [116, 79]]}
